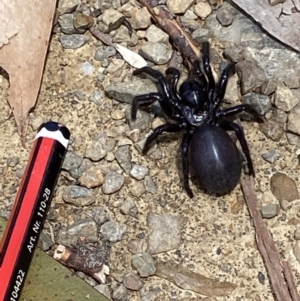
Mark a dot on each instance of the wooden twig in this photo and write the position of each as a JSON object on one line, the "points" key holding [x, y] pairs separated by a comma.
{"points": [[168, 23], [279, 271]]}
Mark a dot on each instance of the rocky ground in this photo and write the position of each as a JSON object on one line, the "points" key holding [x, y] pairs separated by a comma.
{"points": [[131, 209]]}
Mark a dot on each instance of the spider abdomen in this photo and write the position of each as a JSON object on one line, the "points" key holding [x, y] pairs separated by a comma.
{"points": [[215, 160]]}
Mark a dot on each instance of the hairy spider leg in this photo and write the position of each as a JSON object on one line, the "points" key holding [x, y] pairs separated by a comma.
{"points": [[222, 84], [208, 71], [169, 127], [238, 109], [144, 100], [185, 162], [231, 126]]}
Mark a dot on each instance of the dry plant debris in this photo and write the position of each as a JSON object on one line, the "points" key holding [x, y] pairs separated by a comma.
{"points": [[27, 31]]}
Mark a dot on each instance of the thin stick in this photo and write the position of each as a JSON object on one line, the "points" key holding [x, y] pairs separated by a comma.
{"points": [[168, 23], [279, 271]]}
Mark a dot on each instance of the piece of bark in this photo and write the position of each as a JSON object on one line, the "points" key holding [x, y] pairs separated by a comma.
{"points": [[168, 22], [282, 21], [279, 271], [23, 57], [188, 280], [83, 260]]}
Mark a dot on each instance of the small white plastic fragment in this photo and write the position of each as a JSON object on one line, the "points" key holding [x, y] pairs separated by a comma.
{"points": [[132, 58]]}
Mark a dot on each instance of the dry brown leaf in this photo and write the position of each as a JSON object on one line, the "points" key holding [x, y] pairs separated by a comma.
{"points": [[9, 26], [29, 24], [282, 21]]}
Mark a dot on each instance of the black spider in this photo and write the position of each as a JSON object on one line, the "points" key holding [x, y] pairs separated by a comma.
{"points": [[212, 154]]}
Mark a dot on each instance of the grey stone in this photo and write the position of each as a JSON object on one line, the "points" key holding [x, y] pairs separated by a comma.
{"points": [[67, 6], [66, 24], [119, 293], [261, 103], [150, 186], [297, 233], [269, 86], [122, 36], [251, 75], [115, 65], [189, 25], [275, 2], [73, 41], [91, 177], [144, 264], [272, 128], [157, 53], [226, 14], [104, 290], [106, 4], [201, 34], [270, 210], [156, 35], [129, 207], [113, 182], [82, 22], [97, 97], [202, 9], [293, 124], [137, 189], [284, 98], [271, 156], [107, 143], [71, 161], [140, 18], [99, 215], [135, 246], [85, 229], [78, 196], [123, 156], [179, 6], [132, 282], [95, 151], [113, 230], [45, 242], [138, 172], [165, 232], [12, 161], [279, 63], [125, 91], [76, 172], [234, 54], [104, 52], [112, 19]]}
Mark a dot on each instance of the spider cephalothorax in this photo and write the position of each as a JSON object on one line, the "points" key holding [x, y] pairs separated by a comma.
{"points": [[195, 107]]}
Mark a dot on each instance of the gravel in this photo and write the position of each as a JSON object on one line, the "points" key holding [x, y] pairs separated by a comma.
{"points": [[109, 192]]}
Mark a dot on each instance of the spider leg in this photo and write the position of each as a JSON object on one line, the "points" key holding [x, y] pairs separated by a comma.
{"points": [[208, 71], [237, 109], [198, 72], [227, 72], [185, 162], [174, 81], [169, 127], [231, 126], [156, 75], [143, 100]]}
